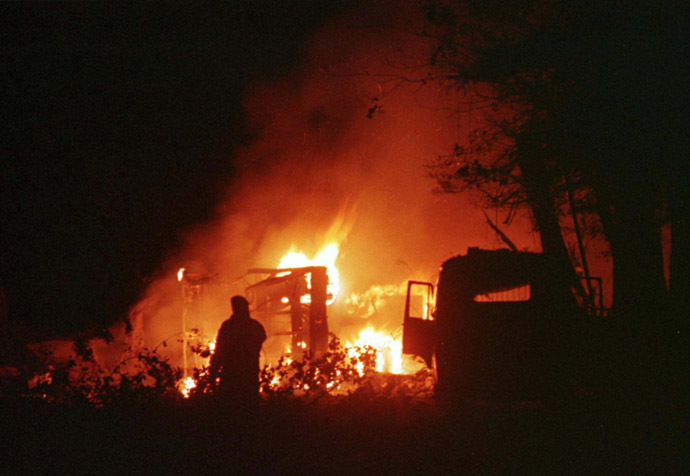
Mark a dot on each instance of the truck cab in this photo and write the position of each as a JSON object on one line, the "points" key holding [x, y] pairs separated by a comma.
{"points": [[499, 323]]}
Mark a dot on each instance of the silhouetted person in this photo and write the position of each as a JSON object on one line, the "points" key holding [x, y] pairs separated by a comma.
{"points": [[236, 358]]}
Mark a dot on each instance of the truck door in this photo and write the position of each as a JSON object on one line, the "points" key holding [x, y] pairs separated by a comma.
{"points": [[418, 323]]}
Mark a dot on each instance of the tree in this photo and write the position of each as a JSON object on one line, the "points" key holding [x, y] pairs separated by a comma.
{"points": [[511, 158], [575, 95]]}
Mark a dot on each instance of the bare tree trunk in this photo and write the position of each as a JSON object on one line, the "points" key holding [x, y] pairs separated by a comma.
{"points": [[635, 340], [639, 284], [679, 282], [537, 182]]}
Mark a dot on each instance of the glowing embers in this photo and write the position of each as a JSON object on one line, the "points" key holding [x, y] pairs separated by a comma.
{"points": [[326, 256], [203, 353], [302, 345]]}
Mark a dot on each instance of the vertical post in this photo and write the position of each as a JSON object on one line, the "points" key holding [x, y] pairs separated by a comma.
{"points": [[296, 320], [318, 323], [184, 330]]}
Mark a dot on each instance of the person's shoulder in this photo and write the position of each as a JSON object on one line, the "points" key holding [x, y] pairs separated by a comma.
{"points": [[257, 326], [225, 324], [256, 323]]}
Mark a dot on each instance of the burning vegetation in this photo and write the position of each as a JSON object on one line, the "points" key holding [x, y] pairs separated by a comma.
{"points": [[292, 303], [301, 303]]}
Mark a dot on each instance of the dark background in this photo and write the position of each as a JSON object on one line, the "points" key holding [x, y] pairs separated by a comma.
{"points": [[118, 126]]}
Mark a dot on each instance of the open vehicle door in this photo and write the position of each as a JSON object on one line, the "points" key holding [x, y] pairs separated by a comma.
{"points": [[418, 324]]}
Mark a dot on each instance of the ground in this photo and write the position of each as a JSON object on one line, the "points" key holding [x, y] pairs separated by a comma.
{"points": [[357, 434]]}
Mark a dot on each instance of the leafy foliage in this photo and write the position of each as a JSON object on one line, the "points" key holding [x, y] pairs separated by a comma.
{"points": [[141, 376], [338, 369], [145, 377]]}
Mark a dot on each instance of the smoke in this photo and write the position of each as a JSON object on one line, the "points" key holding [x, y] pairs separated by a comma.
{"points": [[325, 166]]}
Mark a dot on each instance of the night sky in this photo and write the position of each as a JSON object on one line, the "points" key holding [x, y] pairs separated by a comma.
{"points": [[118, 127]]}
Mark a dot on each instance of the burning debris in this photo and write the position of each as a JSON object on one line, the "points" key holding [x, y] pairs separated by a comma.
{"points": [[291, 302], [301, 294], [340, 370]]}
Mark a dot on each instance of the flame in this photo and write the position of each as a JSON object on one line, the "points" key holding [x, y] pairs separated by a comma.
{"points": [[187, 385], [366, 303], [388, 350], [180, 274], [326, 256]]}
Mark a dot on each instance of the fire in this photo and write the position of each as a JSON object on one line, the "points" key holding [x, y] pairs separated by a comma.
{"points": [[388, 349], [326, 256], [365, 304], [180, 274], [187, 385], [387, 353], [204, 354]]}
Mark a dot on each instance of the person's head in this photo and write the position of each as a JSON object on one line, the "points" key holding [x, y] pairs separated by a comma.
{"points": [[240, 306]]}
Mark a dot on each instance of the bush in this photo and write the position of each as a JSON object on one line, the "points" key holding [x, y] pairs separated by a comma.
{"points": [[337, 370], [141, 376]]}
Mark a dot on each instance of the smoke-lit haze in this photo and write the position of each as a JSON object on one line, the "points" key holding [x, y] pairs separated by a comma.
{"points": [[319, 170]]}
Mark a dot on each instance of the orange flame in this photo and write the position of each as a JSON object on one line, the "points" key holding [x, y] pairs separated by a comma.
{"points": [[326, 256], [388, 349]]}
